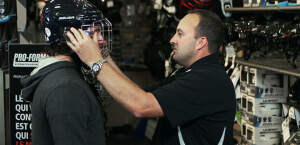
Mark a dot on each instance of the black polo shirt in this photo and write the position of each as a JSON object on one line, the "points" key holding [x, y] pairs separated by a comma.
{"points": [[201, 101]]}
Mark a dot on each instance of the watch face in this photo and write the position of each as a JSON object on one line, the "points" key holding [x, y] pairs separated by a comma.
{"points": [[96, 68]]}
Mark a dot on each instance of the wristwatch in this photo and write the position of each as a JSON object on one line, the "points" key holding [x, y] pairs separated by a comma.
{"points": [[96, 67]]}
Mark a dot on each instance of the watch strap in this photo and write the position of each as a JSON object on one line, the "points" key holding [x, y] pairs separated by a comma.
{"points": [[99, 64]]}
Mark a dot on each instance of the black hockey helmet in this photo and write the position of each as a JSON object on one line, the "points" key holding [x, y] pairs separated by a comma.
{"points": [[58, 16]]}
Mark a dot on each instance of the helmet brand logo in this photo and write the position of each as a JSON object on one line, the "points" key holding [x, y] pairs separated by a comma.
{"points": [[66, 18]]}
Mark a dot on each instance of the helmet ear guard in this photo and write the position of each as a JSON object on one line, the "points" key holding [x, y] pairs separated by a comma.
{"points": [[66, 29]]}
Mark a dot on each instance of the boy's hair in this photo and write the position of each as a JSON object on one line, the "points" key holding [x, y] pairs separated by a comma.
{"points": [[58, 49]]}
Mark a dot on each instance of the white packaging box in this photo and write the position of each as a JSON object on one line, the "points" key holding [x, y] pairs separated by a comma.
{"points": [[262, 77], [263, 136], [267, 84], [265, 106], [264, 121], [267, 92], [274, 3]]}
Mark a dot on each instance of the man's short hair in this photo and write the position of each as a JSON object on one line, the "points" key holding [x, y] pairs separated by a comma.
{"points": [[211, 27]]}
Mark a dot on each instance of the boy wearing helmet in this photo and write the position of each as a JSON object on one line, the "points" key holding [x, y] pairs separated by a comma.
{"points": [[65, 109]]}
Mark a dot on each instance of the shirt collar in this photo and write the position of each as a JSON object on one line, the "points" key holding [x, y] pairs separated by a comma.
{"points": [[210, 59]]}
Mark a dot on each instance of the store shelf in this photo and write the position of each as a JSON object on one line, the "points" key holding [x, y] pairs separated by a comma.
{"points": [[291, 9], [276, 65]]}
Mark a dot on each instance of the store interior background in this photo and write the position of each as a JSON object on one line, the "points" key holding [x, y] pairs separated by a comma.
{"points": [[142, 30]]}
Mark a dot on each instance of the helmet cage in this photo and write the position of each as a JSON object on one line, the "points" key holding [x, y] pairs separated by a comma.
{"points": [[103, 28]]}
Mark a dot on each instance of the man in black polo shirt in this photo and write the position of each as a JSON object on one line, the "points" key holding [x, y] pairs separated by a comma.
{"points": [[196, 106]]}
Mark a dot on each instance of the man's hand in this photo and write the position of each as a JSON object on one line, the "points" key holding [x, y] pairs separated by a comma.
{"points": [[86, 48]]}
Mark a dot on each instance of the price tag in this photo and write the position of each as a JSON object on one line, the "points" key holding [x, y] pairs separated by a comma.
{"points": [[286, 129], [292, 113]]}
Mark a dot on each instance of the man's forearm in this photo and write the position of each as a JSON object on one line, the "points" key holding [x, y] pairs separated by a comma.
{"points": [[115, 66], [128, 94], [122, 89]]}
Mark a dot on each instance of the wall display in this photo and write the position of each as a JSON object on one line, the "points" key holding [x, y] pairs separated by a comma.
{"points": [[268, 38], [7, 10], [23, 58]]}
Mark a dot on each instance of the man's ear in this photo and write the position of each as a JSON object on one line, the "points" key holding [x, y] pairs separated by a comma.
{"points": [[201, 43]]}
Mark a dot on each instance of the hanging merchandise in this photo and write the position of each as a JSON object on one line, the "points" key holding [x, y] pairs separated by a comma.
{"points": [[282, 3], [273, 3], [158, 52], [291, 32], [230, 36], [39, 7], [113, 11], [7, 10], [130, 14], [169, 6], [3, 42], [293, 2], [278, 38], [197, 4], [249, 38], [168, 2], [110, 4], [169, 9], [11, 36], [284, 35], [294, 91], [157, 4], [226, 4], [189, 4]]}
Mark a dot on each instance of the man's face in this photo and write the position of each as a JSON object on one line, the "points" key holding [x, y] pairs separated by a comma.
{"points": [[184, 41]]}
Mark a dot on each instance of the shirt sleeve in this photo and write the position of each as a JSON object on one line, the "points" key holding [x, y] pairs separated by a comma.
{"points": [[164, 81], [189, 97], [67, 110]]}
